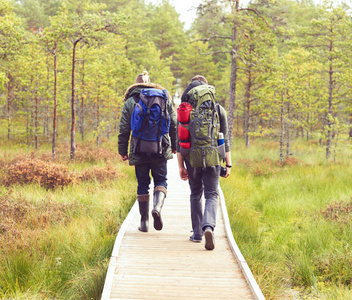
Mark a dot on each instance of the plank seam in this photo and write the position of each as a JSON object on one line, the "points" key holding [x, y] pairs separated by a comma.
{"points": [[253, 285]]}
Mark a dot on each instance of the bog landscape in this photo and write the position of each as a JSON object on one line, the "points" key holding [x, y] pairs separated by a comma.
{"points": [[281, 69]]}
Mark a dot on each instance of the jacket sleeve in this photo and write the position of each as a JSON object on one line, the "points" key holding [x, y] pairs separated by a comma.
{"points": [[125, 127], [173, 124], [224, 128]]}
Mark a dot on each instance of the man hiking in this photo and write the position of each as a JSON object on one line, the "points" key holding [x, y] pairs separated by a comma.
{"points": [[202, 144], [149, 114]]}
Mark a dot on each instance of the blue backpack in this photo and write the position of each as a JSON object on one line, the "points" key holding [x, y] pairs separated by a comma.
{"points": [[150, 121]]}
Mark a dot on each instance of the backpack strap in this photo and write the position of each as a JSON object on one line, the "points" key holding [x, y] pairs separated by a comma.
{"points": [[135, 97], [164, 114], [216, 109]]}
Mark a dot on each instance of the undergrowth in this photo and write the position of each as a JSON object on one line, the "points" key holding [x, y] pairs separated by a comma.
{"points": [[58, 221], [292, 221], [50, 174]]}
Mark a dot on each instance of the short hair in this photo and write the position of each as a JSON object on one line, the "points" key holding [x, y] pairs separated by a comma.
{"points": [[143, 77], [200, 78]]}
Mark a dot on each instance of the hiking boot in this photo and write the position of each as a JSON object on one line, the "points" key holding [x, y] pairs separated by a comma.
{"points": [[209, 238], [159, 197], [143, 203]]}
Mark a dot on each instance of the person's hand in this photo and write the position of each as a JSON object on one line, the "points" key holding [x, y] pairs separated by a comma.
{"points": [[228, 171], [174, 151], [184, 174], [124, 157]]}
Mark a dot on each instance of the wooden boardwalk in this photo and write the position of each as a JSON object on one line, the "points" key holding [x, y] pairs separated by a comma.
{"points": [[166, 265]]}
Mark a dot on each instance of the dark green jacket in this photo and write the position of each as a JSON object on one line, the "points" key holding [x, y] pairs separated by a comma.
{"points": [[125, 128]]}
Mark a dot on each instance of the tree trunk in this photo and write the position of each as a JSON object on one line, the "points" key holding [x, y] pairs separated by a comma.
{"points": [[288, 130], [98, 120], [232, 98], [248, 98], [27, 131], [9, 106], [162, 45], [46, 132], [244, 118], [73, 103], [238, 124], [55, 104], [36, 118], [330, 113], [82, 104], [233, 77], [281, 129]]}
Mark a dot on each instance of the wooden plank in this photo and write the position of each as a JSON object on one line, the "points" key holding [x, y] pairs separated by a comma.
{"points": [[166, 265]]}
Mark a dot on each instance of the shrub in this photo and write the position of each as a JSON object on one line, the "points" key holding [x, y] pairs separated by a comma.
{"points": [[288, 161], [21, 220], [266, 166], [47, 174], [100, 174], [338, 212], [258, 168], [335, 267], [313, 143], [89, 154]]}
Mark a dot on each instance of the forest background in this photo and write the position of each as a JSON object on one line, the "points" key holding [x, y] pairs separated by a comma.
{"points": [[282, 69]]}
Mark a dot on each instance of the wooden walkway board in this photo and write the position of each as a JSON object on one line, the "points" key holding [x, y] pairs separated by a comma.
{"points": [[165, 264]]}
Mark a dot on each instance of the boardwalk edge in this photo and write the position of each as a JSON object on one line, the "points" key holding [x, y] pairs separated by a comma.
{"points": [[253, 285], [115, 252]]}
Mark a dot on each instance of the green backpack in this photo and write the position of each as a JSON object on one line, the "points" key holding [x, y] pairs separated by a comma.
{"points": [[204, 127]]}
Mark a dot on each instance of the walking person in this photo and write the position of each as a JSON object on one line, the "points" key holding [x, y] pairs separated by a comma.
{"points": [[149, 114], [199, 154]]}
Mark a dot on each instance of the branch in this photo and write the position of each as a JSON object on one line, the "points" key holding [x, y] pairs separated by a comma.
{"points": [[212, 37], [315, 46], [257, 13], [214, 52], [242, 59]]}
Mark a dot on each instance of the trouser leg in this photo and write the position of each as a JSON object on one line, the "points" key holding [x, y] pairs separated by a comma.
{"points": [[211, 194], [143, 179], [196, 187]]}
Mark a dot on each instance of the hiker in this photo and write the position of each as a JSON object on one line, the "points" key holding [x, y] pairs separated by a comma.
{"points": [[199, 161], [152, 142]]}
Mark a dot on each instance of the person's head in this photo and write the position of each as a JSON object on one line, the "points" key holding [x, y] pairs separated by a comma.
{"points": [[199, 78], [143, 78]]}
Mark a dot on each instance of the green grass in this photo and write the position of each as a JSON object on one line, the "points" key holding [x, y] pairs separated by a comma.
{"points": [[277, 217], [293, 223], [67, 234]]}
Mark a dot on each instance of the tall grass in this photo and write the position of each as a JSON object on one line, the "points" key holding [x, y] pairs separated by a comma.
{"points": [[65, 235], [293, 222]]}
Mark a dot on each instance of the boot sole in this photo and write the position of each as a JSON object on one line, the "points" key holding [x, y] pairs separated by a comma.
{"points": [[143, 229], [158, 224], [144, 226], [209, 240]]}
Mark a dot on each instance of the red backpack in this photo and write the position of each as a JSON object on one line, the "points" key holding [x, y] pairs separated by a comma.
{"points": [[183, 113]]}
